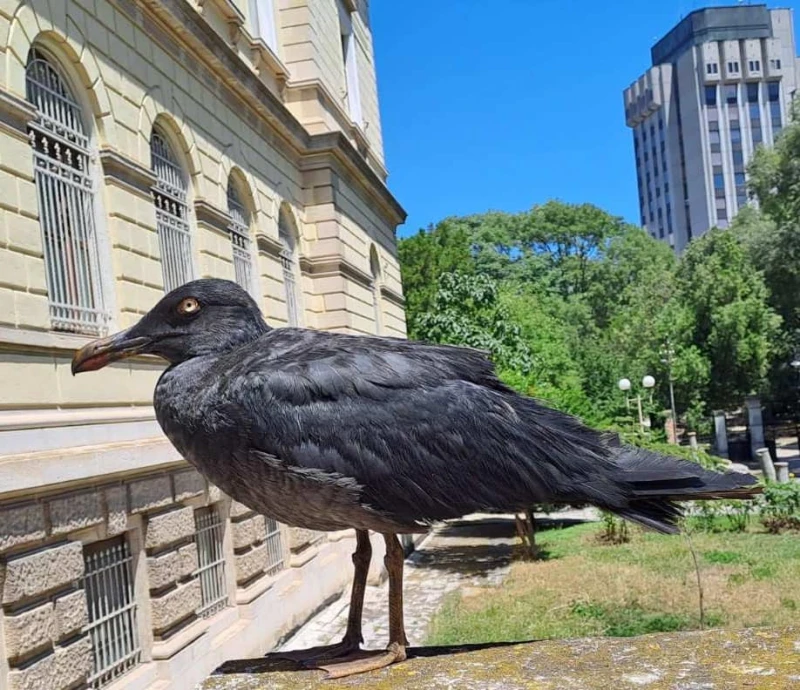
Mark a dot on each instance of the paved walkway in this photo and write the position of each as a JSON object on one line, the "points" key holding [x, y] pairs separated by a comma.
{"points": [[473, 552]]}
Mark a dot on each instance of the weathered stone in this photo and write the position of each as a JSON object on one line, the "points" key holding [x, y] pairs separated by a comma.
{"points": [[30, 630], [214, 493], [251, 563], [76, 511], [171, 608], [239, 509], [170, 527], [248, 531], [758, 658], [20, 525], [188, 483], [40, 572], [171, 566], [37, 676], [117, 504], [71, 613], [301, 538], [73, 662], [147, 494]]}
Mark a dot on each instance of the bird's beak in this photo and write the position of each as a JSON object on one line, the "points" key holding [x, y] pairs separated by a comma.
{"points": [[103, 351]]}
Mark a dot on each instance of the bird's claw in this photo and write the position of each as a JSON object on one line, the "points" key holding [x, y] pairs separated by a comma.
{"points": [[364, 661]]}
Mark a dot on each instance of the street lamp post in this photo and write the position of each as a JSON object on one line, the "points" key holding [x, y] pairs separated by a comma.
{"points": [[647, 383], [667, 353]]}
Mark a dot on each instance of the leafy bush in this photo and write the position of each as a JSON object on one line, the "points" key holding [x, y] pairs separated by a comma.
{"points": [[780, 506]]}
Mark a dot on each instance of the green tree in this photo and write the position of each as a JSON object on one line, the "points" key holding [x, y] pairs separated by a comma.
{"points": [[426, 256], [467, 310], [723, 317]]}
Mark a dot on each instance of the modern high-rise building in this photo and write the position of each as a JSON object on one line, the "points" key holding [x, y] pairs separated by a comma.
{"points": [[721, 84]]}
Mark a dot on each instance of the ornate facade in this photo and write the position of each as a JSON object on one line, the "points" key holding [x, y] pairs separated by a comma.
{"points": [[144, 143]]}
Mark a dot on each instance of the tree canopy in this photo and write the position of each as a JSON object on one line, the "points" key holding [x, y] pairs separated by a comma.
{"points": [[568, 299]]}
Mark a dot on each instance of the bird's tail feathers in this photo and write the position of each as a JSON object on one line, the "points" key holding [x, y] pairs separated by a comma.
{"points": [[657, 483]]}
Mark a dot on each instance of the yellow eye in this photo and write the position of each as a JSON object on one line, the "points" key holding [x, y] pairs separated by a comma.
{"points": [[188, 306]]}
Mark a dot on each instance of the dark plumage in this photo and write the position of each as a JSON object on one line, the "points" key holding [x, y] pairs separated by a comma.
{"points": [[327, 431]]}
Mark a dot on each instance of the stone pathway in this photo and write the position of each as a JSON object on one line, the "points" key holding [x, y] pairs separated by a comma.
{"points": [[472, 552]]}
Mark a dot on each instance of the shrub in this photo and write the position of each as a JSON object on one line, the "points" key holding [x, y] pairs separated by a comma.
{"points": [[780, 506]]}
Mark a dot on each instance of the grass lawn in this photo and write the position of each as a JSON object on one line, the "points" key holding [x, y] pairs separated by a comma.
{"points": [[586, 588]]}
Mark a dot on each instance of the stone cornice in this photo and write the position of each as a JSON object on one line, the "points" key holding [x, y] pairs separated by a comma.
{"points": [[334, 146], [317, 267], [262, 55], [230, 13], [219, 54], [127, 171], [269, 245], [392, 296], [15, 114], [206, 212], [297, 90], [289, 135], [321, 266]]}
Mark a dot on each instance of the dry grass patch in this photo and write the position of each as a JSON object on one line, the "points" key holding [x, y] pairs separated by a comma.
{"points": [[647, 585]]}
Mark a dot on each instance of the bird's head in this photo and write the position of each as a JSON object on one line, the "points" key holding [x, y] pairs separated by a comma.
{"points": [[203, 317]]}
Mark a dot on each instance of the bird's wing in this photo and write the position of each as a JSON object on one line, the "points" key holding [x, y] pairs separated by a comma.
{"points": [[427, 432]]}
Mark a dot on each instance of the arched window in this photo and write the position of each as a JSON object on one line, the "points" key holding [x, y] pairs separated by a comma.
{"points": [[65, 190], [240, 238], [288, 256], [172, 213], [375, 271]]}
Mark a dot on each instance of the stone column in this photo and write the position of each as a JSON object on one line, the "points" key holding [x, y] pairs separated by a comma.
{"points": [[720, 434], [765, 460], [755, 424], [782, 471]]}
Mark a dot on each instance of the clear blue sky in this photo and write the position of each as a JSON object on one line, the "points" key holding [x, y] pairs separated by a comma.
{"points": [[507, 108]]}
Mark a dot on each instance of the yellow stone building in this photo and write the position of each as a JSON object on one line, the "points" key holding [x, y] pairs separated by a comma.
{"points": [[144, 143]]}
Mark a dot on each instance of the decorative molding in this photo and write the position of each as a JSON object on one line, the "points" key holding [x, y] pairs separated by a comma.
{"points": [[206, 212], [126, 171], [166, 649], [247, 86], [351, 5], [15, 114], [269, 245], [55, 343], [298, 91], [326, 149], [230, 13], [262, 55], [318, 267], [392, 296], [45, 419]]}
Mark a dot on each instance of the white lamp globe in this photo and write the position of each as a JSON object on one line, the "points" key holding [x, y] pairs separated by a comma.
{"points": [[624, 384], [648, 381]]}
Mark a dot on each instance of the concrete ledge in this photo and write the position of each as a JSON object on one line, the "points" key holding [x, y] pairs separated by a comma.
{"points": [[712, 660]]}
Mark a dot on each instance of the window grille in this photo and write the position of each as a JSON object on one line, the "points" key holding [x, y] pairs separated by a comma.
{"points": [[274, 547], [62, 164], [288, 264], [112, 627], [211, 561], [172, 214], [240, 240]]}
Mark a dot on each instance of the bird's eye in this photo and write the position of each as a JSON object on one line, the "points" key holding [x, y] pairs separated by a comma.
{"points": [[188, 306]]}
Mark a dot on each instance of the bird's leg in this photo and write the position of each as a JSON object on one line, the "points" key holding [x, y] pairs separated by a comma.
{"points": [[362, 557], [396, 651]]}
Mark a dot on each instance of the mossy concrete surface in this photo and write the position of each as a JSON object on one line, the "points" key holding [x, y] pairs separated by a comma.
{"points": [[750, 659]]}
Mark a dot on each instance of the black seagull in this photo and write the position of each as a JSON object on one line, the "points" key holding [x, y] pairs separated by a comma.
{"points": [[330, 431]]}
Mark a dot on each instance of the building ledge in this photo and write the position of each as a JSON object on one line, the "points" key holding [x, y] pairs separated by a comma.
{"points": [[713, 659]]}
